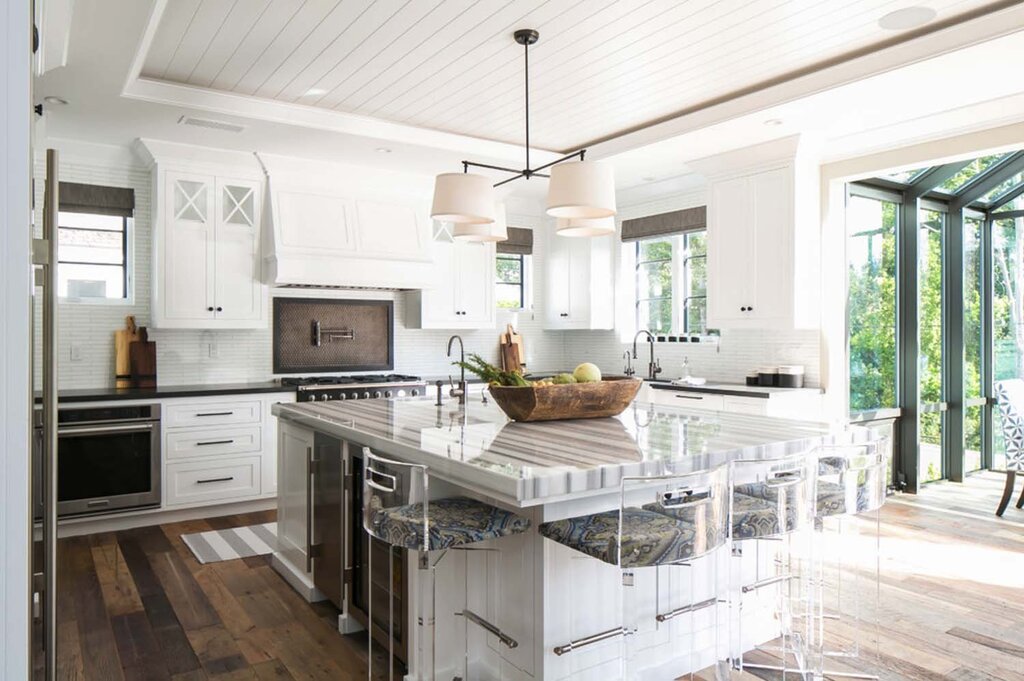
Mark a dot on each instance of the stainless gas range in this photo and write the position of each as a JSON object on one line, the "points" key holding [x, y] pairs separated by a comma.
{"points": [[361, 387]]}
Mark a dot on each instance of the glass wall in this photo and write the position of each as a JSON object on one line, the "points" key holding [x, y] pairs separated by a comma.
{"points": [[930, 334], [973, 355], [871, 308], [1007, 329]]}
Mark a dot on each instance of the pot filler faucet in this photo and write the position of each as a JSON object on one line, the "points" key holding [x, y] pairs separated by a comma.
{"points": [[653, 367], [461, 390]]}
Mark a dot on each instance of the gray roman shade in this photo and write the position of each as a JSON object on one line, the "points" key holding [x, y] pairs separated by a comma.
{"points": [[520, 242], [91, 198], [666, 224]]}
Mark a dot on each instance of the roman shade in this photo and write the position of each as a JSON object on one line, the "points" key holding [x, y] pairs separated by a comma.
{"points": [[666, 224], [91, 198], [519, 242]]}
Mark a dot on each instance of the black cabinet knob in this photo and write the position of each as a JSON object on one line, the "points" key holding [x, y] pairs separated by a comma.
{"points": [[220, 309], [209, 309], [750, 309], [743, 309]]}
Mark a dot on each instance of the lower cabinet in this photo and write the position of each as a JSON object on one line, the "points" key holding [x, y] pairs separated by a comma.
{"points": [[229, 479], [294, 454], [802, 405]]}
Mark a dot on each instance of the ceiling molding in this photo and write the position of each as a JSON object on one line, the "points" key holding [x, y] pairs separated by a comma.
{"points": [[1007, 19]]}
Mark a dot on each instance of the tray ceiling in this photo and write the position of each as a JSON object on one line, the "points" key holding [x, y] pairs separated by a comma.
{"points": [[601, 66]]}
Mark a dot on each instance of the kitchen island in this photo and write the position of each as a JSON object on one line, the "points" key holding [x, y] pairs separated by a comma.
{"points": [[541, 594]]}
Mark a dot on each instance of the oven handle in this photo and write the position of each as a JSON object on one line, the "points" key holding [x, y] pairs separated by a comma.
{"points": [[126, 428]]}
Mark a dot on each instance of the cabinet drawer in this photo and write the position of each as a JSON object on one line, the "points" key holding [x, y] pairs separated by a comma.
{"points": [[188, 442], [196, 482], [212, 413], [755, 406], [687, 400]]}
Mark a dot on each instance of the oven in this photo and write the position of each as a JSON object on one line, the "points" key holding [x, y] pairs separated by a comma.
{"points": [[108, 459]]}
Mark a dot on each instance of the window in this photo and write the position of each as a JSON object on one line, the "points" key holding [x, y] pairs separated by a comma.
{"points": [[92, 256], [871, 321], [510, 270], [671, 283]]}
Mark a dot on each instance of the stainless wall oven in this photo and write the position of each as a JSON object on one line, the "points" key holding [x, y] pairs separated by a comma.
{"points": [[108, 459]]}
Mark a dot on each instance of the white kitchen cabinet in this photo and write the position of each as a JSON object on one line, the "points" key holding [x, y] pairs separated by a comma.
{"points": [[462, 292], [207, 260], [763, 239], [294, 454], [578, 283]]}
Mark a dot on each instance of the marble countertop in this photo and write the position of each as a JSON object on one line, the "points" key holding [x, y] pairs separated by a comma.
{"points": [[534, 463]]}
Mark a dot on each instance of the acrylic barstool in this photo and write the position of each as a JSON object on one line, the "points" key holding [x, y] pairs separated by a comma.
{"points": [[665, 527], [771, 517], [852, 482], [398, 510]]}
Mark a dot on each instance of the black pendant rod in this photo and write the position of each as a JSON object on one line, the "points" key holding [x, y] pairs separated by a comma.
{"points": [[525, 37]]}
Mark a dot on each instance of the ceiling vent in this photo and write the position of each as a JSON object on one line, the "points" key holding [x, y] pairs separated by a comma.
{"points": [[210, 123]]}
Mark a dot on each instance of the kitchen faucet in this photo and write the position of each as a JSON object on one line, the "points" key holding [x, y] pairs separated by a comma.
{"points": [[461, 390], [629, 370], [653, 367]]}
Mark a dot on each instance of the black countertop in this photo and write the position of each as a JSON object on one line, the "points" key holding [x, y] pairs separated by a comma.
{"points": [[730, 389], [168, 391]]}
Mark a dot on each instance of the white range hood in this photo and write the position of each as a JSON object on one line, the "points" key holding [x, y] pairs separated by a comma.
{"points": [[330, 225]]}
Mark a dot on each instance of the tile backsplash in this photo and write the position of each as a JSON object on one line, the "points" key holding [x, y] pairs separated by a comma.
{"points": [[222, 356]]}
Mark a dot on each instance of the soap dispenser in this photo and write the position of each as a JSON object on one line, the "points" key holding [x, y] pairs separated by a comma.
{"points": [[686, 368]]}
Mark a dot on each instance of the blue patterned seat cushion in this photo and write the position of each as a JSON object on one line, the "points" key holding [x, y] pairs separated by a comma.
{"points": [[831, 496], [455, 521], [649, 538], [715, 528], [756, 518]]}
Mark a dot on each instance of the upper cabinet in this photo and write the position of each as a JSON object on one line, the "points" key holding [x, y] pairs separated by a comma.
{"points": [[461, 293], [206, 240], [578, 282], [763, 238], [332, 225]]}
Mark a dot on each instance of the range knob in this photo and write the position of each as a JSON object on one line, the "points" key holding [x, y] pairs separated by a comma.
{"points": [[376, 394], [324, 397], [387, 393], [414, 392], [312, 397], [342, 396], [366, 395]]}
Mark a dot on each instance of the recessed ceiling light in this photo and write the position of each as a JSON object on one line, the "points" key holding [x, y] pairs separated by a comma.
{"points": [[55, 100], [383, 150], [315, 92], [907, 18], [773, 122]]}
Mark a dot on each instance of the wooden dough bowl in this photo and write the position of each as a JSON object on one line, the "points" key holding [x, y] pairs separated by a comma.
{"points": [[600, 399]]}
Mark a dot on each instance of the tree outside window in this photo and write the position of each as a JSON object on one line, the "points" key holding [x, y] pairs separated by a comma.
{"points": [[93, 256], [671, 284], [510, 288]]}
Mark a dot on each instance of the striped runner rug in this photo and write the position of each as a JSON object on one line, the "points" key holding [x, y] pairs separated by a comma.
{"points": [[231, 543]]}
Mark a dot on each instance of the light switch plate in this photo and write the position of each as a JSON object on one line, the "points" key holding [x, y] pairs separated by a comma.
{"points": [[76, 352]]}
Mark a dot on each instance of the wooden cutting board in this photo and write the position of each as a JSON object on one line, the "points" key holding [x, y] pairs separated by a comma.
{"points": [[143, 361], [513, 339], [123, 338]]}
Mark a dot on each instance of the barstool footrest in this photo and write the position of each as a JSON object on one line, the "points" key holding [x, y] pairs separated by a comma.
{"points": [[589, 640], [484, 624], [664, 617], [766, 582]]}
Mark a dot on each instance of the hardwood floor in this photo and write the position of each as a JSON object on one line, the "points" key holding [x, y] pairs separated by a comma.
{"points": [[136, 604]]}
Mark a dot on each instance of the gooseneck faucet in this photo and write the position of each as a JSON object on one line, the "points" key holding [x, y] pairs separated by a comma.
{"points": [[461, 390], [653, 367]]}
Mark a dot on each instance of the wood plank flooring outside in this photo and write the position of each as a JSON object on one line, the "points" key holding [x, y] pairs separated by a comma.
{"points": [[135, 605]]}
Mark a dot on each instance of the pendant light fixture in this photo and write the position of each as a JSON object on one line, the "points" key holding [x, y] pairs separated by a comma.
{"points": [[585, 226], [491, 231], [581, 190]]}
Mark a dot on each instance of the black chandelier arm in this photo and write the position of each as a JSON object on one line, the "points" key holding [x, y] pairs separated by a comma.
{"points": [[490, 167], [520, 175], [574, 154]]}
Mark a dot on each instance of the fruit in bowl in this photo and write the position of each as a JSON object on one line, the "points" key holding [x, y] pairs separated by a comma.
{"points": [[583, 394]]}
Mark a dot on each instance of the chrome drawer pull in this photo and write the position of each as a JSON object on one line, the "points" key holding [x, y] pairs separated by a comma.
{"points": [[227, 479], [214, 442], [215, 413], [688, 397]]}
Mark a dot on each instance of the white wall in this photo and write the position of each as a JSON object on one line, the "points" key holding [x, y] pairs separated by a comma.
{"points": [[15, 340], [183, 356]]}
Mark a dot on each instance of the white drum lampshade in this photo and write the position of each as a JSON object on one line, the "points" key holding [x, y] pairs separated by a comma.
{"points": [[582, 189], [585, 226], [495, 231], [463, 198]]}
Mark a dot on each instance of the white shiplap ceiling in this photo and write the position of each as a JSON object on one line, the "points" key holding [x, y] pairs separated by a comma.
{"points": [[601, 66]]}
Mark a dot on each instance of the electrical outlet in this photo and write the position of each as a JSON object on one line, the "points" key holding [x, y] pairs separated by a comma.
{"points": [[76, 352], [212, 350]]}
